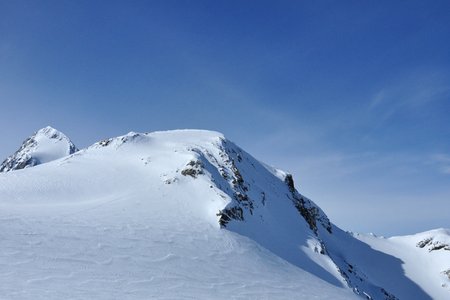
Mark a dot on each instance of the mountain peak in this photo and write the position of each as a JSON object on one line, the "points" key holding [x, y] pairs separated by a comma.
{"points": [[47, 130], [43, 146], [148, 208]]}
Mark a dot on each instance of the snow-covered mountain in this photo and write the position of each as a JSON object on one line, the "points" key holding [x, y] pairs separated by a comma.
{"points": [[45, 145], [187, 214]]}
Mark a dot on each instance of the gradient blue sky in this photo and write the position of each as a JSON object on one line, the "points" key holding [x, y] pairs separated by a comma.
{"points": [[352, 97]]}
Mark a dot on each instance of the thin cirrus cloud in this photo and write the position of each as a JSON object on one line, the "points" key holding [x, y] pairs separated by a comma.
{"points": [[412, 91]]}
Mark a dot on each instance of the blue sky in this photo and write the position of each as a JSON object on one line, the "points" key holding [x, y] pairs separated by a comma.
{"points": [[352, 97]]}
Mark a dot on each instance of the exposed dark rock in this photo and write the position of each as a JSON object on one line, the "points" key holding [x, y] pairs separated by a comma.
{"points": [[238, 179], [308, 214], [241, 197], [290, 182], [433, 245], [387, 295], [357, 280], [238, 187], [171, 180], [424, 242], [223, 174], [320, 248], [105, 143], [307, 210], [193, 169], [227, 214], [439, 247]]}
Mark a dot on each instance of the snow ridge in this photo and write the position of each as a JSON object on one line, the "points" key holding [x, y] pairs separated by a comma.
{"points": [[144, 210]]}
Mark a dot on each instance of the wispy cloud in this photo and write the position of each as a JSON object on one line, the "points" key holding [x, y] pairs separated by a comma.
{"points": [[413, 91]]}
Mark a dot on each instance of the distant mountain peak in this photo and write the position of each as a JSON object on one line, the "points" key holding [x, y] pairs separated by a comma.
{"points": [[48, 131], [43, 146]]}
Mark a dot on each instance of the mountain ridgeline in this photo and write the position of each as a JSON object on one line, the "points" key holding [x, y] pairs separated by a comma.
{"points": [[199, 198]]}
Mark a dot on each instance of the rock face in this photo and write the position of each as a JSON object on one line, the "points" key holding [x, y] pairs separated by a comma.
{"points": [[43, 146], [433, 244]]}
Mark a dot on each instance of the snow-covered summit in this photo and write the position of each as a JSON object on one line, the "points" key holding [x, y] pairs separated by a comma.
{"points": [[43, 146], [189, 214], [238, 177], [173, 137]]}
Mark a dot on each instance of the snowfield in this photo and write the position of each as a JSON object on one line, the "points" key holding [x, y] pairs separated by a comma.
{"points": [[187, 214]]}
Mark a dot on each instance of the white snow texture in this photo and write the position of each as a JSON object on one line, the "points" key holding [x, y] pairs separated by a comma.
{"points": [[187, 214]]}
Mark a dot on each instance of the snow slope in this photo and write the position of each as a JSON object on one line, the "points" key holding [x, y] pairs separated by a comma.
{"points": [[425, 260], [119, 220], [188, 214], [47, 144]]}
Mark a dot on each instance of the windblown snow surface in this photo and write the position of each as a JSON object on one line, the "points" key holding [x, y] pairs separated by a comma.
{"points": [[187, 214]]}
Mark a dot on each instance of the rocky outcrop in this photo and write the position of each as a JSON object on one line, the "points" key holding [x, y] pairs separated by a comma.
{"points": [[433, 245], [193, 169], [310, 212]]}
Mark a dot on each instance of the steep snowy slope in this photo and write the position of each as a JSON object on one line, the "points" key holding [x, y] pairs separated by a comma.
{"points": [[45, 145], [425, 260], [156, 216], [188, 214]]}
